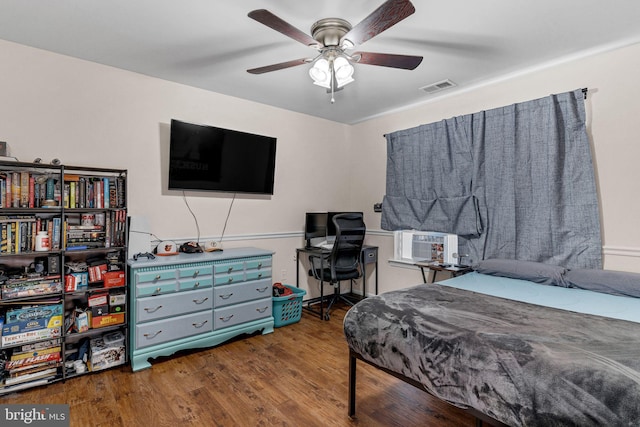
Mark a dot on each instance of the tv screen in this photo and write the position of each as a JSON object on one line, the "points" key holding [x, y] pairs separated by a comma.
{"points": [[208, 158]]}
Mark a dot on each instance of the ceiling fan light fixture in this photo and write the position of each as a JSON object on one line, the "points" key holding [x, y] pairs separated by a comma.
{"points": [[323, 71], [343, 71], [320, 73]]}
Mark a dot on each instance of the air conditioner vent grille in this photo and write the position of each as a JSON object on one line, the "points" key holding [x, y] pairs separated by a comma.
{"points": [[438, 86]]}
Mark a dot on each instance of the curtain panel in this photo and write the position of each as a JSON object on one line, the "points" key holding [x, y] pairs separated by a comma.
{"points": [[515, 182]]}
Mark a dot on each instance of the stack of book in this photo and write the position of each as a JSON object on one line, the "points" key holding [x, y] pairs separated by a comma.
{"points": [[31, 362], [86, 236]]}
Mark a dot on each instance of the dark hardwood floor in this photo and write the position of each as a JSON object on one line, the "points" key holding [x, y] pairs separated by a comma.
{"points": [[297, 376]]}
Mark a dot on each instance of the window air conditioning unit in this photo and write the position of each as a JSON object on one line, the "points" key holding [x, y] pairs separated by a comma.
{"points": [[425, 246]]}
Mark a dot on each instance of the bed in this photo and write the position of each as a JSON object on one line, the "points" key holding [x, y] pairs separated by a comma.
{"points": [[515, 343]]}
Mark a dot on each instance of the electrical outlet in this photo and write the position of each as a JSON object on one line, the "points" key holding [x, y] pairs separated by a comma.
{"points": [[283, 275]]}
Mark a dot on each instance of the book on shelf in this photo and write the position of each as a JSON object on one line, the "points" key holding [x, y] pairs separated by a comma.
{"points": [[15, 192], [93, 192], [31, 287], [18, 232], [115, 228], [18, 355], [26, 189], [30, 336], [46, 373], [32, 369], [29, 363], [37, 346], [32, 192]]}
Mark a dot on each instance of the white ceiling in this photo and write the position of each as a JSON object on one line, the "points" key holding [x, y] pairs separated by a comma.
{"points": [[210, 44]]}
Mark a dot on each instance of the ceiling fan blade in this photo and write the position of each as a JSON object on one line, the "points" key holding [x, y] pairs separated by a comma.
{"points": [[388, 14], [267, 18], [279, 66], [406, 62]]}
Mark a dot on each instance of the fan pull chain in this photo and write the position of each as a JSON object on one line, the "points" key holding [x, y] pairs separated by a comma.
{"points": [[333, 80]]}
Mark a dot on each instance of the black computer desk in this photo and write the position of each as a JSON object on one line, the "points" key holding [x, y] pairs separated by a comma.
{"points": [[368, 255]]}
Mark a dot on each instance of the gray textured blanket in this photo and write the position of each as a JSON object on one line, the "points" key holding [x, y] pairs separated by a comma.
{"points": [[521, 364]]}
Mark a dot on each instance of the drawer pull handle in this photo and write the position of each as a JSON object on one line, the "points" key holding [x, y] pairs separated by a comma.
{"points": [[158, 277], [157, 291], [196, 285], [259, 265], [199, 325], [226, 296], [200, 301], [152, 310], [230, 279], [226, 319], [262, 289], [152, 336], [262, 310], [230, 269], [259, 275], [196, 273]]}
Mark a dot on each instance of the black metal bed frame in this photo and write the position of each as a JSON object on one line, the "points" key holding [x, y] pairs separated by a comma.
{"points": [[354, 357]]}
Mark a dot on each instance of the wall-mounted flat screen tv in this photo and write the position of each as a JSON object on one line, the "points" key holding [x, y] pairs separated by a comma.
{"points": [[208, 158]]}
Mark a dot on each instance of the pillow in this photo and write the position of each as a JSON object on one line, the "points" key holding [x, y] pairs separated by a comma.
{"points": [[526, 270], [606, 281]]}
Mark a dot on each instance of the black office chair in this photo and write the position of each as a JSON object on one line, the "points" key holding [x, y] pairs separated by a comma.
{"points": [[343, 262]]}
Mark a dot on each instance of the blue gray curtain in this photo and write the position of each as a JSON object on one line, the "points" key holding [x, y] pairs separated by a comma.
{"points": [[514, 182]]}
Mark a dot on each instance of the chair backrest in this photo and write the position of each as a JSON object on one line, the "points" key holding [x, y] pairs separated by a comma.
{"points": [[350, 232]]}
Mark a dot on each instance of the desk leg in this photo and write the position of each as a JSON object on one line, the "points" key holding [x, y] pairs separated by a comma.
{"points": [[376, 275], [322, 292], [364, 280], [424, 276], [297, 269]]}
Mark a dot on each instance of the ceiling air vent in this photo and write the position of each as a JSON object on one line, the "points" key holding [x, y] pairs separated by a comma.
{"points": [[436, 87]]}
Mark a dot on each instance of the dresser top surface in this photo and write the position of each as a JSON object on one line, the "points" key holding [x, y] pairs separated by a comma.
{"points": [[184, 258]]}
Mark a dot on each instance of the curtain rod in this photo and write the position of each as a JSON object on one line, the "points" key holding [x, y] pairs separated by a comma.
{"points": [[584, 92]]}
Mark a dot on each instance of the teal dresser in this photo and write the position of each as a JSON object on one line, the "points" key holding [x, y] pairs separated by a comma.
{"points": [[191, 301]]}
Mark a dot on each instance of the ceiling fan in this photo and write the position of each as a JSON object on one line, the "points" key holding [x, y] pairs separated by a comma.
{"points": [[332, 37]]}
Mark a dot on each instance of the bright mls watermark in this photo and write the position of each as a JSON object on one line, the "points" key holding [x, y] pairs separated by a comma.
{"points": [[34, 415]]}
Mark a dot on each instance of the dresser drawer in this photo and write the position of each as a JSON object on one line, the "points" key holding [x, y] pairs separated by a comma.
{"points": [[158, 288], [195, 283], [195, 271], [227, 279], [258, 274], [258, 264], [241, 313], [154, 276], [241, 292], [153, 308], [162, 331], [228, 267]]}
